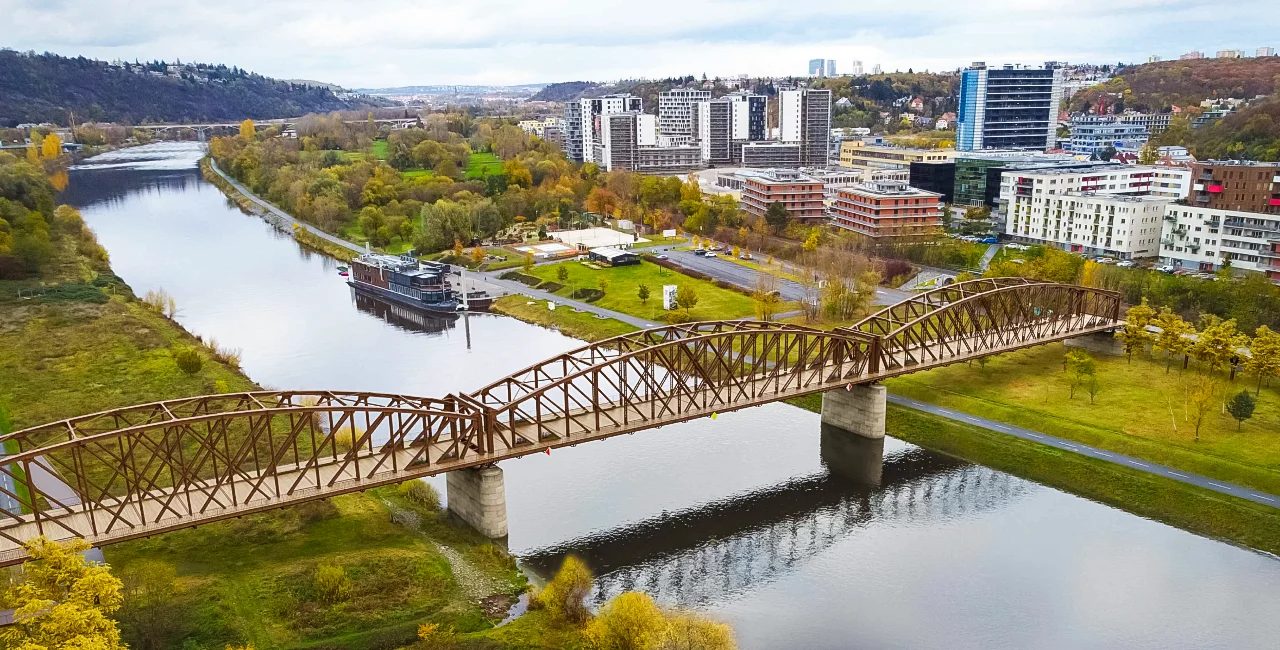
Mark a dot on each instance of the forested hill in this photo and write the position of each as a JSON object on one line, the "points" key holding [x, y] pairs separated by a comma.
{"points": [[1158, 86], [47, 87]]}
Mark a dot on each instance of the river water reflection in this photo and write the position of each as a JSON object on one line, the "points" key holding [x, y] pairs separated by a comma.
{"points": [[738, 516]]}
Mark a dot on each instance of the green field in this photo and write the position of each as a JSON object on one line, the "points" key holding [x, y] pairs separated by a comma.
{"points": [[483, 164], [579, 325], [415, 173], [378, 149], [714, 303], [1140, 411]]}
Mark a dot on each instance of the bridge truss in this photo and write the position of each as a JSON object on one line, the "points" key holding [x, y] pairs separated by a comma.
{"points": [[147, 469]]}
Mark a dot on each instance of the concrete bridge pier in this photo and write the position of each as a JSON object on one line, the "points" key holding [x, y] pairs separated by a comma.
{"points": [[852, 457], [858, 409], [478, 496]]}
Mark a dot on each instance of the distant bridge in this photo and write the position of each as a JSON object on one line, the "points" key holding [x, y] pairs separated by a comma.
{"points": [[142, 470]]}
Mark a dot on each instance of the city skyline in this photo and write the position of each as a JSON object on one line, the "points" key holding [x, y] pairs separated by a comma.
{"points": [[492, 43]]}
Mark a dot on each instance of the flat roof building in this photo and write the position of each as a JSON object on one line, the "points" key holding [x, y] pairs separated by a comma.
{"points": [[1093, 134], [1236, 185], [1008, 108], [800, 194], [770, 154], [888, 209], [613, 256], [858, 154], [676, 110], [1123, 227], [804, 117]]}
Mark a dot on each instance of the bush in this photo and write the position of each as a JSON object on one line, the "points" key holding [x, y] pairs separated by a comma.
{"points": [[521, 277], [331, 584], [564, 596], [550, 287], [588, 295], [188, 359], [421, 493], [318, 510]]}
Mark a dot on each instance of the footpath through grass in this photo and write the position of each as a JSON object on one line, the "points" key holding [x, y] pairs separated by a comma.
{"points": [[1140, 411], [622, 293]]}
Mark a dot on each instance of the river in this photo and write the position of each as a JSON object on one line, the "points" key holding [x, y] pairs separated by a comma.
{"points": [[739, 516]]}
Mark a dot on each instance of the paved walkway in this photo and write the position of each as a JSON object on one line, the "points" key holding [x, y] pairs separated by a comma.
{"points": [[1092, 452], [988, 256], [513, 287], [281, 214]]}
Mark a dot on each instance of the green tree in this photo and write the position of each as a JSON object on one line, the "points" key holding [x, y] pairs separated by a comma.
{"points": [[1173, 337], [1150, 154], [777, 216], [148, 615], [63, 601], [1264, 355], [687, 297], [188, 359], [1134, 335], [642, 292], [562, 274], [1080, 368], [1241, 407], [603, 283], [527, 264]]}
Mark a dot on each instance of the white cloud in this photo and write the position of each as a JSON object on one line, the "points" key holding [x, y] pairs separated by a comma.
{"points": [[400, 42]]}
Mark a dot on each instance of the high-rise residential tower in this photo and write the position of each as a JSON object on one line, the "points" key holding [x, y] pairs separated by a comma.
{"points": [[1010, 108], [725, 124], [677, 110], [817, 67], [582, 122], [804, 117]]}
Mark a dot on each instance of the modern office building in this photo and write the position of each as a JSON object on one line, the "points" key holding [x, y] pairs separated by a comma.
{"points": [[1192, 55], [1123, 227], [1236, 185], [831, 67], [1229, 54], [888, 209], [978, 174], [938, 177], [1155, 123], [677, 108], [804, 117], [859, 154], [1012, 108], [1093, 134], [725, 124], [1266, 51], [801, 194], [582, 124], [856, 68], [770, 154], [817, 67]]}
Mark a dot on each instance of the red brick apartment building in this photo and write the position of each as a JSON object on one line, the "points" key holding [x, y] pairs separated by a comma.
{"points": [[1236, 185], [801, 194], [888, 209]]}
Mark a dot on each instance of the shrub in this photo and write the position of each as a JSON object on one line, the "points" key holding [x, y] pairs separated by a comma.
{"points": [[345, 438], [332, 584], [550, 287], [228, 356], [161, 302], [564, 596], [318, 510], [588, 295], [421, 493], [188, 359]]}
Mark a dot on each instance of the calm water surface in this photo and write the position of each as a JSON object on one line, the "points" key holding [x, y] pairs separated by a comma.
{"points": [[752, 517]]}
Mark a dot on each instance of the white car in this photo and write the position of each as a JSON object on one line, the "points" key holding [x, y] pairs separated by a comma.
{"points": [[1125, 264], [711, 254]]}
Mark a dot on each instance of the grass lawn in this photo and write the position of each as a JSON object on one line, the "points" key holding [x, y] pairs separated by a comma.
{"points": [[656, 240], [1140, 411], [714, 303], [480, 165], [568, 322], [410, 174], [378, 149]]}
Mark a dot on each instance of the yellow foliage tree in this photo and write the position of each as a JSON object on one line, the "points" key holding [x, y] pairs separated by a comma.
{"points": [[63, 602], [247, 130], [51, 146], [563, 597], [631, 621], [477, 255]]}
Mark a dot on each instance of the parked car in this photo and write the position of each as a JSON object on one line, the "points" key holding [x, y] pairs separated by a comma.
{"points": [[990, 240], [711, 254], [699, 252], [1125, 264], [745, 256]]}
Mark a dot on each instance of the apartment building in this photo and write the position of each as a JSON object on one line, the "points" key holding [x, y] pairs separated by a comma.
{"points": [[1229, 54], [725, 124], [888, 209], [858, 154], [582, 126], [1155, 123], [1124, 227], [1236, 185], [804, 117], [1012, 108], [677, 108], [629, 141], [1093, 134], [801, 194], [770, 154]]}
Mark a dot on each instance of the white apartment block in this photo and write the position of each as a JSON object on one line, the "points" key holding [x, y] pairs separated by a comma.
{"points": [[539, 127], [590, 109], [676, 110], [1106, 210], [1203, 239], [789, 115]]}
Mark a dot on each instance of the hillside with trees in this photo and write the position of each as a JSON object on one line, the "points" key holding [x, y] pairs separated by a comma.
{"points": [[47, 88], [1156, 87]]}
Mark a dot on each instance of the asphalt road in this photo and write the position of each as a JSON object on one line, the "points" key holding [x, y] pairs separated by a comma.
{"points": [[1092, 452], [745, 277]]}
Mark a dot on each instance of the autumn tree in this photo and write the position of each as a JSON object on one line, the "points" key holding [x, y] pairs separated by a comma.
{"points": [[1264, 355], [1217, 343], [51, 146], [477, 254], [687, 297], [1173, 337], [601, 201], [811, 243], [603, 283], [63, 601], [1134, 335], [565, 595], [766, 296], [630, 621], [247, 130], [527, 264], [1202, 395]]}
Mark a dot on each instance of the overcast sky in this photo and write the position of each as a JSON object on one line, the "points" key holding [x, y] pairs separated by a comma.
{"points": [[410, 42]]}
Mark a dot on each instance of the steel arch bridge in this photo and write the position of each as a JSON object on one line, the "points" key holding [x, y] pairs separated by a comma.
{"points": [[147, 469]]}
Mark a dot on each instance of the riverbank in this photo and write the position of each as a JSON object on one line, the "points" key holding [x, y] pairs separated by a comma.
{"points": [[77, 340]]}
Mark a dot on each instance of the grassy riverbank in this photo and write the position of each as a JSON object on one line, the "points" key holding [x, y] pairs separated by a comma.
{"points": [[622, 292], [1140, 411], [579, 325], [1195, 509]]}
